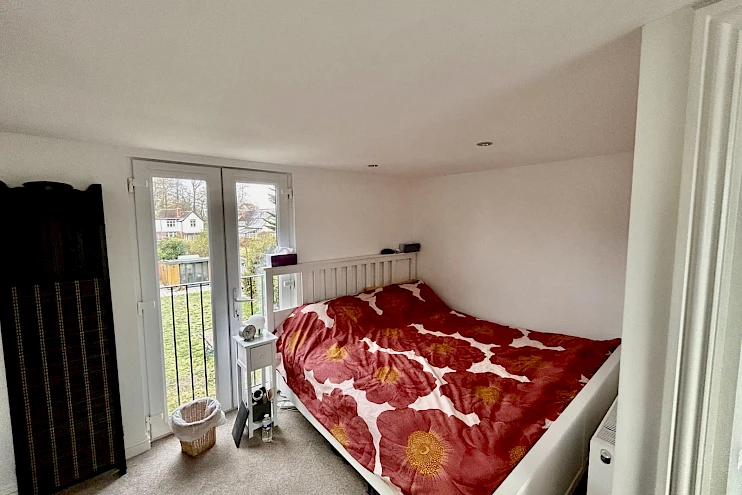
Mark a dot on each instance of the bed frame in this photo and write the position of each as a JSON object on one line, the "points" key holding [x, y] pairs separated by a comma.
{"points": [[553, 466]]}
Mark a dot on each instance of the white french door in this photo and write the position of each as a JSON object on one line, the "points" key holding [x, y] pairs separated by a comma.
{"points": [[202, 235], [258, 217]]}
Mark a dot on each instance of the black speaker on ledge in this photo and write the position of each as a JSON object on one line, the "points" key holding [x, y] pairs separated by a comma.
{"points": [[58, 338], [409, 247]]}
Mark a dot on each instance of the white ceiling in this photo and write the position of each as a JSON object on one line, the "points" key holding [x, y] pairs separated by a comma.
{"points": [[411, 85]]}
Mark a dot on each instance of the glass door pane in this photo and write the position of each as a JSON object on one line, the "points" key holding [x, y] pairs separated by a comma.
{"points": [[257, 237], [182, 234]]}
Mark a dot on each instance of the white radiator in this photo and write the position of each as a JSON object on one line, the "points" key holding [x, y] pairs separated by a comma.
{"points": [[602, 459]]}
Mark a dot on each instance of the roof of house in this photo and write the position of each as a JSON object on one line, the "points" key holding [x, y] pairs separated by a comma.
{"points": [[172, 215], [256, 220], [167, 214]]}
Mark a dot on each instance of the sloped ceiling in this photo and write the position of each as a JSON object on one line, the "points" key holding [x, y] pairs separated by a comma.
{"points": [[409, 85]]}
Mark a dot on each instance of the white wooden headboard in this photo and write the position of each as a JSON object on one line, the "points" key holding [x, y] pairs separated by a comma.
{"points": [[321, 280]]}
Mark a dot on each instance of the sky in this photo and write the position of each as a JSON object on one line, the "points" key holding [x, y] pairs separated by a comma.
{"points": [[258, 194]]}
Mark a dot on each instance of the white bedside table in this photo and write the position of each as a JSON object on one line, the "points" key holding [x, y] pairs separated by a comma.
{"points": [[252, 355]]}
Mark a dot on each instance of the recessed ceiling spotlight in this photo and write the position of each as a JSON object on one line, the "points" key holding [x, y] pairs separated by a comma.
{"points": [[484, 144], [373, 165]]}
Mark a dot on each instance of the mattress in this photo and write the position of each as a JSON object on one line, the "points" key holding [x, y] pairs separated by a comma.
{"points": [[430, 399]]}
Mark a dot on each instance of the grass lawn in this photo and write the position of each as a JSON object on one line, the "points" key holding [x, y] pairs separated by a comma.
{"points": [[189, 370], [189, 360]]}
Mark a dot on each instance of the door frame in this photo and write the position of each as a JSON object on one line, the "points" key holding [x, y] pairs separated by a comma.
{"points": [[149, 304], [703, 344]]}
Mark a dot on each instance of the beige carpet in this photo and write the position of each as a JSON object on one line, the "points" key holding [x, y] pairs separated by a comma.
{"points": [[299, 461]]}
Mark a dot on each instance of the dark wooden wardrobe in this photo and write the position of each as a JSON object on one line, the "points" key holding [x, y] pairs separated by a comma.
{"points": [[57, 335]]}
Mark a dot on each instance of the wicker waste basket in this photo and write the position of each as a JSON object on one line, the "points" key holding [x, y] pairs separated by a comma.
{"points": [[194, 424]]}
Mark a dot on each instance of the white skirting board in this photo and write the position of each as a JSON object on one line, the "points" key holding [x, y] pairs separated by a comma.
{"points": [[136, 449]]}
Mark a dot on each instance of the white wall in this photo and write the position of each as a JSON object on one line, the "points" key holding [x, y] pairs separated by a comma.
{"points": [[337, 214], [540, 247], [348, 214], [658, 157]]}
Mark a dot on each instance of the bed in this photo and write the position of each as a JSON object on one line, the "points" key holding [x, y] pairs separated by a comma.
{"points": [[420, 398]]}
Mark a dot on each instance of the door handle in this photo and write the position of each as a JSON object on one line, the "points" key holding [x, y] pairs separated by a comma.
{"points": [[239, 299], [236, 300]]}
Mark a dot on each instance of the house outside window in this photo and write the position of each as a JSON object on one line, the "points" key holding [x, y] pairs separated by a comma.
{"points": [[171, 224], [193, 223]]}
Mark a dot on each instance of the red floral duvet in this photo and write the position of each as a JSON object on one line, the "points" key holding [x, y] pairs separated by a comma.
{"points": [[432, 400]]}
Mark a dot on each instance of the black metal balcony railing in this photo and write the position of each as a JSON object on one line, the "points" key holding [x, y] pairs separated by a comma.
{"points": [[188, 336]]}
